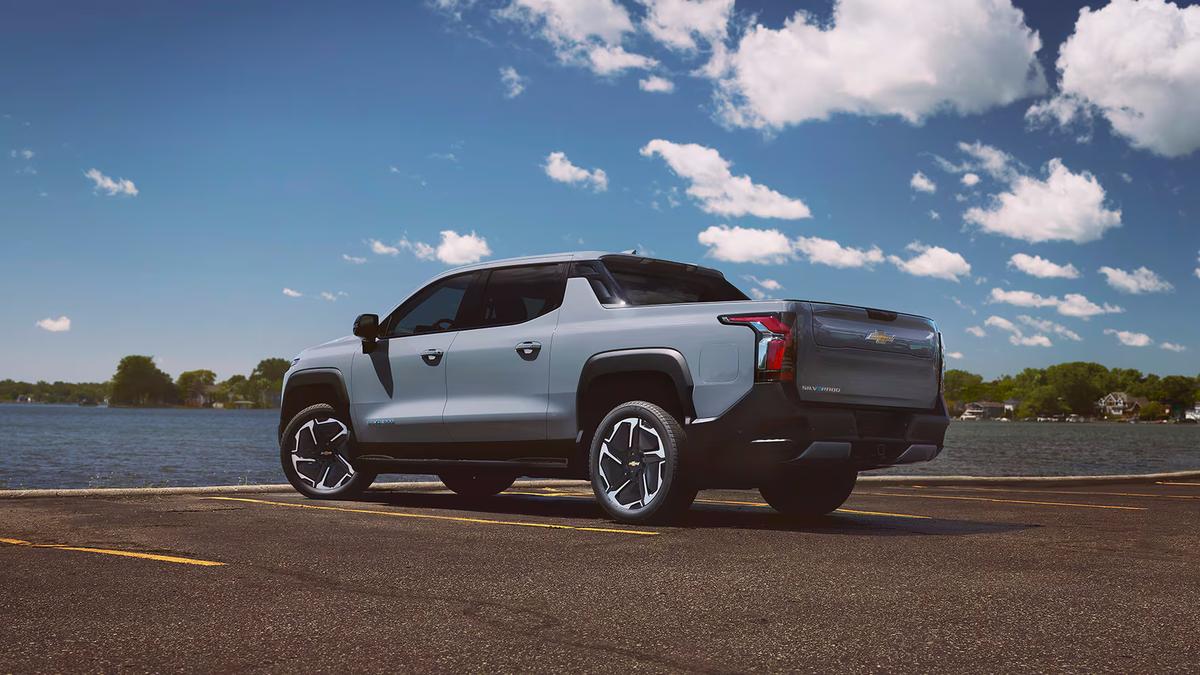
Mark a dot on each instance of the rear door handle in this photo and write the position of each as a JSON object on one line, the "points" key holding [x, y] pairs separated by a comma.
{"points": [[432, 356], [529, 349]]}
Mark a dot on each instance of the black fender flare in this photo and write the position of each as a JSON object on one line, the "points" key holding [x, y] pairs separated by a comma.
{"points": [[657, 359], [331, 377]]}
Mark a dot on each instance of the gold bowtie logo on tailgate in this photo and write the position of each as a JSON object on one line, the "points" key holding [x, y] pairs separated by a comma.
{"points": [[880, 338]]}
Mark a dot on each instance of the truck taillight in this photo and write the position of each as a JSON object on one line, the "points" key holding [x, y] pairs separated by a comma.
{"points": [[774, 357]]}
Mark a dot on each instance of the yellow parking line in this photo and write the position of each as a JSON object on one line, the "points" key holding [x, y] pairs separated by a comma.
{"points": [[430, 516], [1005, 501], [1070, 492], [106, 551]]}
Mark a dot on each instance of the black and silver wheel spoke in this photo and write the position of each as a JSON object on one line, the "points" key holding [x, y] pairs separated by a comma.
{"points": [[318, 454], [630, 464]]}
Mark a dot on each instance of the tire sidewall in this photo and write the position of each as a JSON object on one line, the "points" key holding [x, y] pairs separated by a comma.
{"points": [[674, 484], [353, 487]]}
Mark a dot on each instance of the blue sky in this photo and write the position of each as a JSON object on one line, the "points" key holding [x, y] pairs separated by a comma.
{"points": [[267, 145]]}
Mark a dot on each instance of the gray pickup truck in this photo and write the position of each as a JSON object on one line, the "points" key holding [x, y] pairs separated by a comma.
{"points": [[652, 379]]}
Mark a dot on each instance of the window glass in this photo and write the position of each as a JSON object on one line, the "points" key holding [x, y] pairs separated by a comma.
{"points": [[644, 281], [517, 294], [598, 279], [434, 309]]}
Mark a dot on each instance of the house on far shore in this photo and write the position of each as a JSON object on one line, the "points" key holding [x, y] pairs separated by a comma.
{"points": [[1193, 414], [1121, 404], [204, 397], [983, 410]]}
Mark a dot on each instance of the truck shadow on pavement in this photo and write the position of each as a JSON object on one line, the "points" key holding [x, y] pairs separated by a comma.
{"points": [[702, 515]]}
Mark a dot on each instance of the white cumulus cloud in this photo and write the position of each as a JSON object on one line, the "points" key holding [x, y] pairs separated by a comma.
{"points": [[970, 179], [921, 183], [880, 57], [380, 248], [1129, 338], [1015, 335], [1173, 347], [977, 331], [1064, 206], [353, 259], [656, 85], [461, 249], [686, 25], [60, 325], [291, 293], [954, 355], [932, 261], [715, 187], [1038, 266], [113, 187], [560, 169], [1071, 304], [743, 244], [829, 252], [514, 83], [1047, 326], [1137, 64], [1141, 280], [582, 32]]}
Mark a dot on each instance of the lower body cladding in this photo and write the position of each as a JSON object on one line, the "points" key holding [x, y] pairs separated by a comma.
{"points": [[771, 432]]}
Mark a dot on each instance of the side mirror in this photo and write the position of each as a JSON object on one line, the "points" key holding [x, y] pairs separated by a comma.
{"points": [[366, 326]]}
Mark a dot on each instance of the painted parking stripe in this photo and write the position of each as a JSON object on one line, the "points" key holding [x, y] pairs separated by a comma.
{"points": [[1066, 492], [731, 503], [430, 516], [107, 551], [1005, 501]]}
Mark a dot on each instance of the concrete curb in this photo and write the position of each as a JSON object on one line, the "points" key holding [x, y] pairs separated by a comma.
{"points": [[931, 481]]}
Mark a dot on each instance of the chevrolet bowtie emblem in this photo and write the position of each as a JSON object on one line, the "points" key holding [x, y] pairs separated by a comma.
{"points": [[880, 338]]}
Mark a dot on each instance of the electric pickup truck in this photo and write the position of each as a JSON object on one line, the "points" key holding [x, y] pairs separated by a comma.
{"points": [[652, 379]]}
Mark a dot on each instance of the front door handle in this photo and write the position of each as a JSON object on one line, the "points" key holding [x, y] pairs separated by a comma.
{"points": [[529, 349], [432, 356]]}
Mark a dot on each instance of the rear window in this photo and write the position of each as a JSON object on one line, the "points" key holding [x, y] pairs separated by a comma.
{"points": [[644, 281]]}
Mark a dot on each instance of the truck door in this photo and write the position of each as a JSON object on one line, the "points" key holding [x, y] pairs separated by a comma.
{"points": [[498, 372]]}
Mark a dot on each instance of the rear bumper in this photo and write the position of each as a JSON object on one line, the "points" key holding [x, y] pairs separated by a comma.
{"points": [[771, 430]]}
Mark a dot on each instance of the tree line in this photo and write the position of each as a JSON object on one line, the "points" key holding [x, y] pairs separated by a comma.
{"points": [[139, 382], [1073, 388]]}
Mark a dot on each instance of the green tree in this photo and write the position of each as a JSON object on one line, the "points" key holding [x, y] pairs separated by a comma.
{"points": [[962, 387], [271, 370], [1152, 411], [139, 382], [193, 385], [1079, 384], [1042, 401]]}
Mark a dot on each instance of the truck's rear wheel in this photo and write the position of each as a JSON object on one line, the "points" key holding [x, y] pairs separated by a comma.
{"points": [[813, 493], [477, 485], [636, 463], [314, 451]]}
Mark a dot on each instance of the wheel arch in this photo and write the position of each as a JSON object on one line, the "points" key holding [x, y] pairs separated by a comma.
{"points": [[307, 387], [663, 371]]}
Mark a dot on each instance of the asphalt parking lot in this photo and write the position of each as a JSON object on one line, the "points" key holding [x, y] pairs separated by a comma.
{"points": [[905, 578]]}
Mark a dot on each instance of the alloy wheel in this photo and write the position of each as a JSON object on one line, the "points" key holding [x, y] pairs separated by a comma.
{"points": [[631, 464], [319, 454]]}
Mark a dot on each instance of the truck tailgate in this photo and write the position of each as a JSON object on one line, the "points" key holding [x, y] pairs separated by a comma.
{"points": [[866, 357]]}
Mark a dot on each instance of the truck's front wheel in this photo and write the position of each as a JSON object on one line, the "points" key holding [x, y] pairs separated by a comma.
{"points": [[315, 452], [636, 463], [813, 493]]}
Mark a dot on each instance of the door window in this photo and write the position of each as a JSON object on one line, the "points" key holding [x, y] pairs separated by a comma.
{"points": [[434, 309], [519, 294]]}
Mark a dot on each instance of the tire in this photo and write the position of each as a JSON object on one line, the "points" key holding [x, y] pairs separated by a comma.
{"points": [[477, 485], [814, 493], [646, 482], [314, 452]]}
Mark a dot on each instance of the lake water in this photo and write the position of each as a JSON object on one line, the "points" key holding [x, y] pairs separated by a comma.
{"points": [[47, 446]]}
